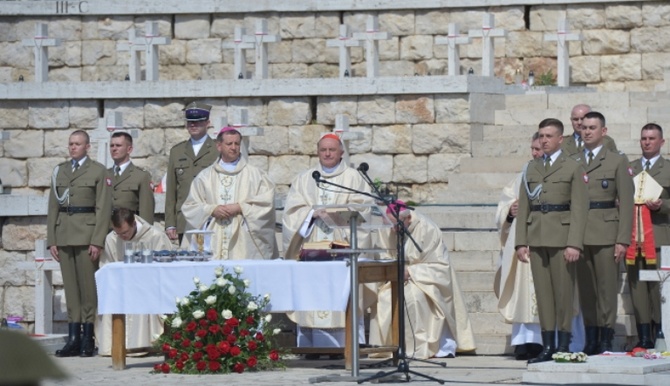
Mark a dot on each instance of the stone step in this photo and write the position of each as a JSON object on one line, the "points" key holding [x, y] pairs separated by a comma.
{"points": [[493, 344], [469, 182], [474, 261], [456, 196], [502, 147], [51, 342], [491, 164], [496, 132], [472, 241], [460, 217]]}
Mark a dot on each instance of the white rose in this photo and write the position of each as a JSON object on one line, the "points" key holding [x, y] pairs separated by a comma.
{"points": [[221, 282], [177, 300], [164, 317], [266, 297], [268, 318], [203, 288], [252, 306], [211, 299], [276, 331], [227, 314], [196, 280], [231, 290], [238, 269], [176, 322], [155, 337], [198, 314], [218, 271], [247, 283], [185, 301]]}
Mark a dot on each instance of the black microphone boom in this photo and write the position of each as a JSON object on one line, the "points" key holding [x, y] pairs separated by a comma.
{"points": [[363, 167]]}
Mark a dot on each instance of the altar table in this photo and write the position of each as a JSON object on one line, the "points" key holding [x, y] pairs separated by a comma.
{"points": [[294, 286]]}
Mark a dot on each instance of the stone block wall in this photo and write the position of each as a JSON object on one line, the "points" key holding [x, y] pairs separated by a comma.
{"points": [[623, 48]]}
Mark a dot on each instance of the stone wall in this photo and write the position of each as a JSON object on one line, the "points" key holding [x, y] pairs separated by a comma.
{"points": [[624, 46]]}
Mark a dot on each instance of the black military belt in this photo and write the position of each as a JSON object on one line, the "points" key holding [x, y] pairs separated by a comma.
{"points": [[602, 205], [77, 209], [544, 208]]}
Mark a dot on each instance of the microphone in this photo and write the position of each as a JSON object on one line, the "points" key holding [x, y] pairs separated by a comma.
{"points": [[363, 167], [317, 176]]}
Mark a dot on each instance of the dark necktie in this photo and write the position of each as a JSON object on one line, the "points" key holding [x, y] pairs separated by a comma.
{"points": [[647, 166], [590, 157], [117, 170], [75, 166], [579, 143], [547, 163]]}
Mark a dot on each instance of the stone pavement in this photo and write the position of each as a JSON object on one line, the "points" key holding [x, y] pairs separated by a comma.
{"points": [[470, 370]]}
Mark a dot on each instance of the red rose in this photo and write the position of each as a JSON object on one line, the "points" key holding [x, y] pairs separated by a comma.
{"points": [[203, 322], [197, 344], [213, 354], [226, 330], [210, 346], [252, 345], [250, 319], [176, 336], [231, 339], [185, 343], [166, 347], [179, 365], [183, 357], [214, 328], [260, 337], [232, 322], [172, 353], [201, 366], [235, 351], [224, 347], [212, 314], [214, 366], [201, 333], [244, 332], [251, 362], [274, 355], [238, 368], [191, 326], [158, 366], [165, 368], [197, 356]]}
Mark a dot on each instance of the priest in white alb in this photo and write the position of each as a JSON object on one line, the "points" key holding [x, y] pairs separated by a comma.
{"points": [[301, 223], [140, 329], [235, 201], [436, 320]]}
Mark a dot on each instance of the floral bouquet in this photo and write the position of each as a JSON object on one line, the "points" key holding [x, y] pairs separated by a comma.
{"points": [[219, 328], [569, 357]]}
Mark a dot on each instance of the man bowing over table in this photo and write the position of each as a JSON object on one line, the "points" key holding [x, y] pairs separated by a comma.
{"points": [[234, 200]]}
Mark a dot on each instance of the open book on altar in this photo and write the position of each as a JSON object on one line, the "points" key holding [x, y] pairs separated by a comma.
{"points": [[646, 188], [323, 251]]}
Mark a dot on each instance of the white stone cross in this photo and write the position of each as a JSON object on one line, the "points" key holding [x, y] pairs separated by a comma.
{"points": [[241, 124], [371, 37], [261, 38], [487, 33], [662, 275], [41, 43], [102, 135], [342, 130], [133, 45], [453, 40], [344, 42], [239, 46], [152, 40], [562, 39]]}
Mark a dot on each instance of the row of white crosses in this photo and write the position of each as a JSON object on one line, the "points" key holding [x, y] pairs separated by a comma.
{"points": [[261, 38]]}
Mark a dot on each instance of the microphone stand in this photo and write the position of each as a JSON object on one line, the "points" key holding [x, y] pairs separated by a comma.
{"points": [[402, 232]]}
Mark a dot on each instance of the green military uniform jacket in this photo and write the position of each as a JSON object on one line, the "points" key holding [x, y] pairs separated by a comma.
{"points": [[564, 183], [89, 187], [569, 144], [660, 219], [609, 180], [133, 190], [183, 166]]}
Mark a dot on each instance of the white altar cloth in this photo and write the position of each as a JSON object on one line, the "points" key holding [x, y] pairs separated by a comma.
{"points": [[152, 288]]}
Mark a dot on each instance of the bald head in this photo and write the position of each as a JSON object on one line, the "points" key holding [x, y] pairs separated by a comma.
{"points": [[577, 116]]}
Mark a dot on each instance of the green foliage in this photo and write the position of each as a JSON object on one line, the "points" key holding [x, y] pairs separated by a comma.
{"points": [[545, 79]]}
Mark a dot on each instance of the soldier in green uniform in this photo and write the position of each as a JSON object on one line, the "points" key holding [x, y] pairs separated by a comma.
{"points": [[646, 295], [609, 225], [573, 143], [78, 218], [553, 202], [131, 186], [187, 159]]}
